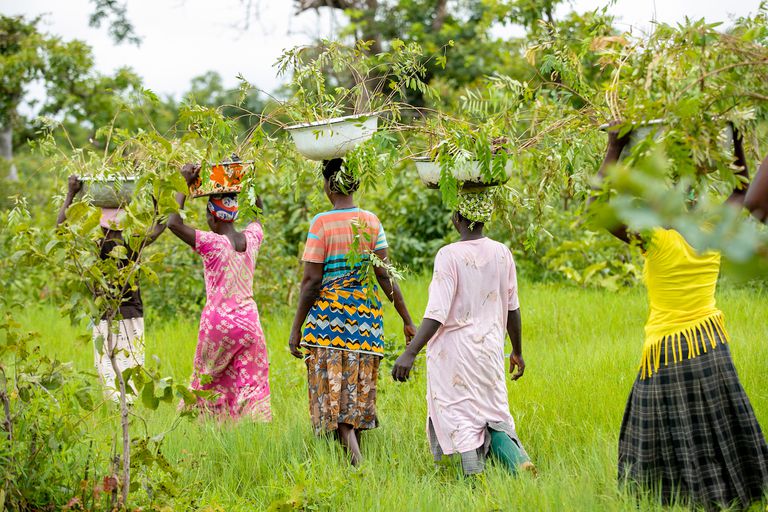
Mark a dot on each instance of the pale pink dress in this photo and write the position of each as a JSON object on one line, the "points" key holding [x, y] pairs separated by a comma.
{"points": [[231, 356], [473, 287]]}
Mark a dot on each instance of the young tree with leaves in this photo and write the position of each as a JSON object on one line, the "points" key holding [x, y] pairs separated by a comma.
{"points": [[28, 55]]}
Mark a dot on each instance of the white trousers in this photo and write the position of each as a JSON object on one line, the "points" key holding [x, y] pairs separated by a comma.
{"points": [[127, 347]]}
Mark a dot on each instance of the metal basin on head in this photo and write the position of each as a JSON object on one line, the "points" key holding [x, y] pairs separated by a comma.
{"points": [[333, 138]]}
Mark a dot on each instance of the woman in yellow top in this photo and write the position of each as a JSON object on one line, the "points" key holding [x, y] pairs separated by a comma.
{"points": [[689, 429]]}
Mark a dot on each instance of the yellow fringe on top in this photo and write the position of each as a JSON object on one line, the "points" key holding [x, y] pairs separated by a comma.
{"points": [[668, 348]]}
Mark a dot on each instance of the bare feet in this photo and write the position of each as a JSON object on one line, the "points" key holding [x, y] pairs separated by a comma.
{"points": [[349, 440]]}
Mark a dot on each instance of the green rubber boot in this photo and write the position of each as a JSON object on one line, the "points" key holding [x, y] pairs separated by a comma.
{"points": [[508, 453]]}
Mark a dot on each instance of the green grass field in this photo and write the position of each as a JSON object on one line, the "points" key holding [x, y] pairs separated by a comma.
{"points": [[581, 348]]}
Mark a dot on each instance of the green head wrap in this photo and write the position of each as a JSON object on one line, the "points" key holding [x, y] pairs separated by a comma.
{"points": [[477, 206]]}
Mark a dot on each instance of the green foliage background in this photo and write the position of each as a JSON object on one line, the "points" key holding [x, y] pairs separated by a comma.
{"points": [[545, 92]]}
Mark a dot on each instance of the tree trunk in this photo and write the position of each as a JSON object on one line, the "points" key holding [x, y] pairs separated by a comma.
{"points": [[441, 10], [6, 150], [367, 10], [7, 419], [124, 422], [372, 33]]}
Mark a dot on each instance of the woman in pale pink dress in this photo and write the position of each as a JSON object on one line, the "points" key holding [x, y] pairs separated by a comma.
{"points": [[231, 357], [472, 305]]}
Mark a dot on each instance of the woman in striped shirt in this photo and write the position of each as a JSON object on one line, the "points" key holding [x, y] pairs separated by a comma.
{"points": [[339, 308]]}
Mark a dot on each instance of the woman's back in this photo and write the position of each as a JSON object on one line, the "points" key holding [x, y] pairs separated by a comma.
{"points": [[333, 234], [229, 273], [474, 286], [681, 283]]}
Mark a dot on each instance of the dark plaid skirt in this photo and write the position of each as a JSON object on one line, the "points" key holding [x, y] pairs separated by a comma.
{"points": [[689, 431]]}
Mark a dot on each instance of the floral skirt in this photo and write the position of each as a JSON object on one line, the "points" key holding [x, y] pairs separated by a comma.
{"points": [[342, 388]]}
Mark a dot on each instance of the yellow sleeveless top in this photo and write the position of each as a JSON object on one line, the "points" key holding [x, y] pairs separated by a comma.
{"points": [[681, 294]]}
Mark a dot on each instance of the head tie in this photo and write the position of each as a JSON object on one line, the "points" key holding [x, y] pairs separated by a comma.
{"points": [[223, 208]]}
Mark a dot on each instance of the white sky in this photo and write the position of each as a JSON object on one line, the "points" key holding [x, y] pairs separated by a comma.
{"points": [[185, 38]]}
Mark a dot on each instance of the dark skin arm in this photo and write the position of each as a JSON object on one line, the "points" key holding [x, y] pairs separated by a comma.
{"points": [[514, 329], [615, 145], [427, 330], [756, 198], [739, 194], [257, 211], [260, 206], [156, 230], [175, 222], [429, 327], [392, 291], [155, 233], [73, 187], [311, 284]]}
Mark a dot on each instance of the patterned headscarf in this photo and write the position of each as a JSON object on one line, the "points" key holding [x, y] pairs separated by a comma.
{"points": [[477, 206], [223, 207]]}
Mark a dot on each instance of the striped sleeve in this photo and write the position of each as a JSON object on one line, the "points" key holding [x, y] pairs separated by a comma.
{"points": [[314, 250], [381, 239]]}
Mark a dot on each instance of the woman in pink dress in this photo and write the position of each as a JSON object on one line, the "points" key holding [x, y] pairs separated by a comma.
{"points": [[472, 305], [231, 357]]}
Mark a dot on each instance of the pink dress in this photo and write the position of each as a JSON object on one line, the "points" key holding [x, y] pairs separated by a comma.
{"points": [[473, 287], [231, 355]]}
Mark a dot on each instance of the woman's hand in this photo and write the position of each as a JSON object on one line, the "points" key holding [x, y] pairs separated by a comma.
{"points": [[294, 342], [191, 173], [738, 142], [402, 369], [74, 185], [617, 142], [410, 331], [516, 360]]}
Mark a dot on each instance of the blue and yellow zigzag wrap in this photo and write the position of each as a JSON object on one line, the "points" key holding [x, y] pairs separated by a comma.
{"points": [[346, 318]]}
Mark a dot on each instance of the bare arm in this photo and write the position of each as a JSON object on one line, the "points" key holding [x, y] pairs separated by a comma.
{"points": [[155, 233], [260, 205], [175, 222], [514, 329], [402, 369], [615, 146], [254, 213], [756, 198], [73, 187], [738, 196], [157, 228], [393, 293], [311, 284]]}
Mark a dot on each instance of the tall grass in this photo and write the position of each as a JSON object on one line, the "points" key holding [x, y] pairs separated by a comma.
{"points": [[582, 348]]}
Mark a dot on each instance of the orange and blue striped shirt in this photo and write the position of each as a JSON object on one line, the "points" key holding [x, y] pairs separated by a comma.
{"points": [[332, 233]]}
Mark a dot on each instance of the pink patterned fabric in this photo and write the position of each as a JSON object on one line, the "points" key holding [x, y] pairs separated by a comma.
{"points": [[231, 356]]}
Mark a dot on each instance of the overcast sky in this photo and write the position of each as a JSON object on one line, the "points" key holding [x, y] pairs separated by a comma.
{"points": [[185, 38]]}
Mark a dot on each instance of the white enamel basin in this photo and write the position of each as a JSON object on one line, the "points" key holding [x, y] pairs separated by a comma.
{"points": [[333, 138], [468, 172]]}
